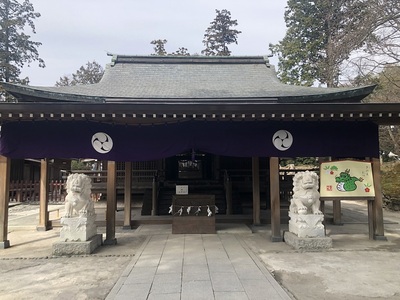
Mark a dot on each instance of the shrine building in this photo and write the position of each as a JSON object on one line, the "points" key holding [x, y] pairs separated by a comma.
{"points": [[214, 125]]}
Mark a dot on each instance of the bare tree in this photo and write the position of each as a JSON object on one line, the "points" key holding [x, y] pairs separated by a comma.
{"points": [[323, 35], [382, 47]]}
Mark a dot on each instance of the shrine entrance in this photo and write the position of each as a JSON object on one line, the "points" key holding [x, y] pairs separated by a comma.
{"points": [[190, 165], [229, 179]]}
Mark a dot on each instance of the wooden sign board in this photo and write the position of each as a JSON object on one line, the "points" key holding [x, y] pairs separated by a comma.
{"points": [[346, 179], [182, 190], [186, 218]]}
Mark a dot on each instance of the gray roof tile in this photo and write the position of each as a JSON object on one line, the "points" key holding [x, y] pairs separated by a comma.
{"points": [[194, 77]]}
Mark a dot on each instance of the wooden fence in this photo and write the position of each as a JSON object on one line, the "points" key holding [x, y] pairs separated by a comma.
{"points": [[23, 191]]}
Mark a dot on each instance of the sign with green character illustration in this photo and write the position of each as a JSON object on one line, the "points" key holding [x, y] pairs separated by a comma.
{"points": [[346, 178]]}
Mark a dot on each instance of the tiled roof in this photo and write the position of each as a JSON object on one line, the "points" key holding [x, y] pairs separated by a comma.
{"points": [[189, 78]]}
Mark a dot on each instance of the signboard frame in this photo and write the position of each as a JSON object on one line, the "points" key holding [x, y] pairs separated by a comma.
{"points": [[346, 180]]}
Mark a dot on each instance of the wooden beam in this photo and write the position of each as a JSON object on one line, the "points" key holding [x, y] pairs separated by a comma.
{"points": [[128, 196], [276, 235], [4, 198], [378, 203], [111, 203], [44, 223], [256, 190]]}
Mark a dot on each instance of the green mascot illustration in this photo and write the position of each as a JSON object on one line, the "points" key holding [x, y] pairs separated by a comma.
{"points": [[346, 182]]}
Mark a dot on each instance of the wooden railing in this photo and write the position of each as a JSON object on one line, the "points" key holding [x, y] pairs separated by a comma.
{"points": [[138, 176], [23, 191], [244, 176]]}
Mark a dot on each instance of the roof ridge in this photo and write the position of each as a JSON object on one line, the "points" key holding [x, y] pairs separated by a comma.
{"points": [[175, 59]]}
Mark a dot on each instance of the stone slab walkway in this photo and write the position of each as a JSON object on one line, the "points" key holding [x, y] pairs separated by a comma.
{"points": [[196, 267]]}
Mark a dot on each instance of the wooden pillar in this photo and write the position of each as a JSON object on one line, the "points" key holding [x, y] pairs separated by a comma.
{"points": [[216, 164], [44, 223], [154, 207], [128, 196], [256, 190], [337, 212], [111, 203], [4, 198], [336, 204], [377, 205], [275, 200], [228, 196]]}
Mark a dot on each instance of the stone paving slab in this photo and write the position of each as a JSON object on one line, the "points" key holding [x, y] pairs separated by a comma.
{"points": [[196, 267]]}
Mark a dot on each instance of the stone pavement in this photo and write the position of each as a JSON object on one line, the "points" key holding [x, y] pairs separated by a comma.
{"points": [[196, 267], [236, 263]]}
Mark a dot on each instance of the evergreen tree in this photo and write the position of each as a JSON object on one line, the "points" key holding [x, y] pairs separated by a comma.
{"points": [[159, 47], [220, 34], [16, 47], [89, 74], [322, 34], [182, 51]]}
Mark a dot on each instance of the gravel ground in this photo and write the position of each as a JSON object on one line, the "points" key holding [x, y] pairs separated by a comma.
{"points": [[28, 270]]}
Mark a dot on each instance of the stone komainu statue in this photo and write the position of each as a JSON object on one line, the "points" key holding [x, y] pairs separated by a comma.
{"points": [[78, 201], [305, 199]]}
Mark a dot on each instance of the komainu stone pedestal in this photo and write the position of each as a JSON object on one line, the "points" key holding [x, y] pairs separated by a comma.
{"points": [[306, 225], [307, 232], [316, 243], [77, 248], [78, 236], [78, 229]]}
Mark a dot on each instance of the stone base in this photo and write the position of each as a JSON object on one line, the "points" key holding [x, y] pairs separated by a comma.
{"points": [[5, 244], [317, 243], [77, 248], [110, 242], [78, 229], [306, 226], [276, 239], [49, 226], [380, 238]]}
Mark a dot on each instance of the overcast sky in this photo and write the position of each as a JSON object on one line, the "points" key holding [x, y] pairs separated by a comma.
{"points": [[73, 32]]}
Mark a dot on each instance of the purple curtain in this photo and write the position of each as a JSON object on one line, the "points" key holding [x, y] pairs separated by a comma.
{"points": [[58, 139]]}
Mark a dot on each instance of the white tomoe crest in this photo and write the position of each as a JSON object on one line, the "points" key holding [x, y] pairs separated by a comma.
{"points": [[102, 142], [282, 140]]}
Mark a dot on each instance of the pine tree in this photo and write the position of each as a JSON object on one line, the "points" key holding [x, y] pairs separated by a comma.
{"points": [[89, 74], [16, 47], [220, 34], [159, 47]]}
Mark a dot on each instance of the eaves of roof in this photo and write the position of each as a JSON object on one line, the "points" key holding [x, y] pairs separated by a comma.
{"points": [[26, 93], [32, 94], [127, 113]]}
